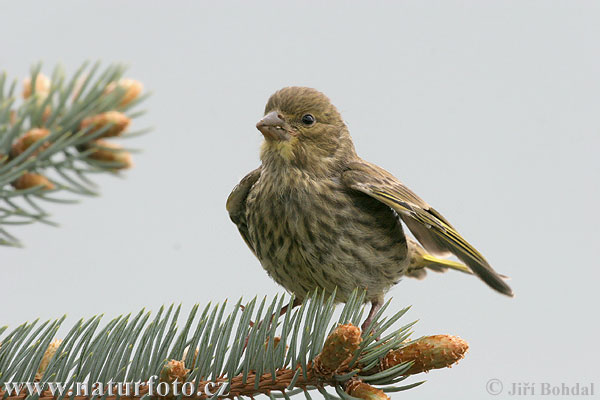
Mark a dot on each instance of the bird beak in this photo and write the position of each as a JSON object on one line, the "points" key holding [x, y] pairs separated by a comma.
{"points": [[273, 127]]}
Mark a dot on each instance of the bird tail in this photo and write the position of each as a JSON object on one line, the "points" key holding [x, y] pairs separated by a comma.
{"points": [[420, 261], [418, 268], [442, 265]]}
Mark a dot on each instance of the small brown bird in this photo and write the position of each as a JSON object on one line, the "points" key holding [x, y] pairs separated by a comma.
{"points": [[317, 215]]}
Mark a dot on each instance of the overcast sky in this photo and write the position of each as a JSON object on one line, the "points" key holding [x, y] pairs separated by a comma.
{"points": [[488, 110]]}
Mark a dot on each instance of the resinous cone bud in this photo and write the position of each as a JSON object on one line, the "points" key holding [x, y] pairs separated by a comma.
{"points": [[365, 391], [429, 352], [48, 354], [117, 121], [172, 371], [29, 180], [339, 347], [46, 114], [276, 341], [131, 87], [42, 86], [111, 152], [185, 354], [28, 139]]}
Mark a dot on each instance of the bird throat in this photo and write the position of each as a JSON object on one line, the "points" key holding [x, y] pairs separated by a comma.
{"points": [[278, 150]]}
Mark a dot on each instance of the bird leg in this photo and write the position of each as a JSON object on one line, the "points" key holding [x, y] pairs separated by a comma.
{"points": [[284, 309], [375, 306], [290, 305]]}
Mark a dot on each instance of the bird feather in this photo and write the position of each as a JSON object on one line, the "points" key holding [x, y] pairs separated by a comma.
{"points": [[430, 228]]}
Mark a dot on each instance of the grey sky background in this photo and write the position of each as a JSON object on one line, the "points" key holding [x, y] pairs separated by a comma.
{"points": [[488, 110]]}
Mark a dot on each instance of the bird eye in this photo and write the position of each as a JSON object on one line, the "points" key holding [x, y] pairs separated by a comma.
{"points": [[308, 119]]}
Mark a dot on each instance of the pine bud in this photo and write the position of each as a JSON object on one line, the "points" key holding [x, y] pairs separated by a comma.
{"points": [[185, 354], [118, 121], [79, 85], [42, 86], [46, 114], [111, 152], [339, 347], [430, 352], [173, 370], [48, 354], [28, 139], [276, 341], [361, 390], [29, 180], [131, 87]]}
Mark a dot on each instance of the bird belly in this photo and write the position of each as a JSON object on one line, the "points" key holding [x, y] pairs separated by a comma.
{"points": [[322, 236]]}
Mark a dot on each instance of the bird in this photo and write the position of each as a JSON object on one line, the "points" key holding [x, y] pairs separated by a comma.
{"points": [[317, 216]]}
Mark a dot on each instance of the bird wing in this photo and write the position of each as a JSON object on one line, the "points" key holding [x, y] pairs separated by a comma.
{"points": [[236, 204], [430, 228]]}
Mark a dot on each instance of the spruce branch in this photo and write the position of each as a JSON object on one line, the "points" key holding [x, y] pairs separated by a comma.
{"points": [[53, 138], [301, 351]]}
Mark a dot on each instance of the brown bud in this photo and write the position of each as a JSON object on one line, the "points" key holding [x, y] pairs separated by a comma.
{"points": [[79, 85], [48, 354], [46, 113], [185, 354], [42, 86], [361, 390], [29, 180], [339, 347], [29, 138], [276, 341], [429, 352], [131, 87], [12, 117], [172, 371], [110, 152], [118, 121]]}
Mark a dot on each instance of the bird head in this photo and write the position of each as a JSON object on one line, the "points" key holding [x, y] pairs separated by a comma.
{"points": [[302, 128]]}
